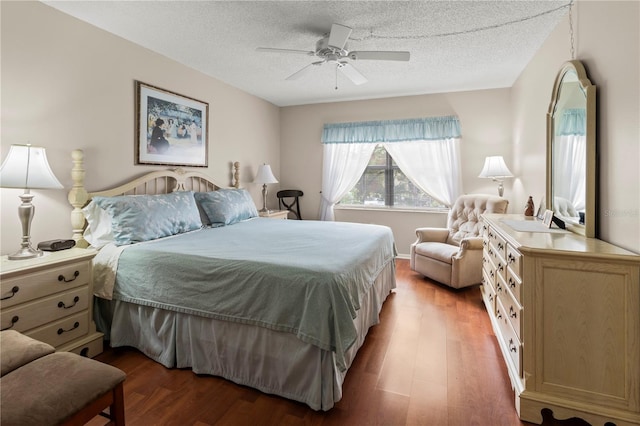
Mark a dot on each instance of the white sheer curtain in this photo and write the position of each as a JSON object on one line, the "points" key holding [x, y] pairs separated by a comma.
{"points": [[569, 176], [433, 166], [570, 153], [343, 164]]}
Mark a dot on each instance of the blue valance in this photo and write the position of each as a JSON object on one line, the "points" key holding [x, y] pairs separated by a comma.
{"points": [[572, 122], [432, 128]]}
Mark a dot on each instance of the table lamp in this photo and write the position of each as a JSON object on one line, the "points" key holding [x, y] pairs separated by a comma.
{"points": [[264, 177], [495, 168], [27, 167]]}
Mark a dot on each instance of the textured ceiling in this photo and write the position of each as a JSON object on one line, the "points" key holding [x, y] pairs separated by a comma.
{"points": [[454, 45]]}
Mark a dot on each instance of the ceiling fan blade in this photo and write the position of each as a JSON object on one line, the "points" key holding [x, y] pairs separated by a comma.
{"points": [[338, 36], [380, 55], [351, 73], [273, 49], [296, 75]]}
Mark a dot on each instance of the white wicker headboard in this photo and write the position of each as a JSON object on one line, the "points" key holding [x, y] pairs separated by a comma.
{"points": [[158, 182]]}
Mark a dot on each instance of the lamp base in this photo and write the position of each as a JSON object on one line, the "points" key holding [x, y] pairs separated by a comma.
{"points": [[25, 253], [264, 199]]}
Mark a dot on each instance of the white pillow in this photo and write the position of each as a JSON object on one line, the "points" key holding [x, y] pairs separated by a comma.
{"points": [[98, 232]]}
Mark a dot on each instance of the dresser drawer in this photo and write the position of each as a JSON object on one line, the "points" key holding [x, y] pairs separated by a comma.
{"points": [[39, 284], [501, 286], [30, 315], [488, 293], [514, 260], [510, 340], [514, 284], [512, 310], [62, 331]]}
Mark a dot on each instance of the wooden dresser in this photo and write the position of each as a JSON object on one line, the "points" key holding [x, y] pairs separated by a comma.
{"points": [[565, 310], [50, 299]]}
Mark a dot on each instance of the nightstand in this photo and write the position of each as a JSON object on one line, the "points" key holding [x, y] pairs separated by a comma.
{"points": [[275, 214], [50, 298]]}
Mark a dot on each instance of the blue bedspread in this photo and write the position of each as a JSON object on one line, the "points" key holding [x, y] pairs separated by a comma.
{"points": [[301, 277]]}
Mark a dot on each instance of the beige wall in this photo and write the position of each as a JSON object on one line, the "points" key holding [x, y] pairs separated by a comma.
{"points": [[68, 85], [607, 40], [485, 120]]}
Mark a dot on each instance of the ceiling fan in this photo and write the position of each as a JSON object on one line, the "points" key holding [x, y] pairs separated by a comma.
{"points": [[332, 48]]}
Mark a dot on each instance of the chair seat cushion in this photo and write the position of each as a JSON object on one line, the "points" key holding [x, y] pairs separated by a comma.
{"points": [[16, 350], [54, 387], [439, 251]]}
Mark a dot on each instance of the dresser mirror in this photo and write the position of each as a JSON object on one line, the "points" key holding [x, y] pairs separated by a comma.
{"points": [[571, 150]]}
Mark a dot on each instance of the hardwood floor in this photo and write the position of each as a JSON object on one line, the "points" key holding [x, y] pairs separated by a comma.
{"points": [[432, 360]]}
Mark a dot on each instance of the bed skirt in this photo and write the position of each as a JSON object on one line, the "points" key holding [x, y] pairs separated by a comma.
{"points": [[271, 361]]}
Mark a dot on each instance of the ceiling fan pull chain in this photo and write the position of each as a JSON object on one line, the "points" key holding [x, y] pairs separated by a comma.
{"points": [[337, 76]]}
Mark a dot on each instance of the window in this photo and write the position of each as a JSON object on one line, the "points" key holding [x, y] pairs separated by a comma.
{"points": [[384, 184]]}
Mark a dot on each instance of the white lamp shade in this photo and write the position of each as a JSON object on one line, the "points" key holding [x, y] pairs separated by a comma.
{"points": [[265, 175], [27, 167], [494, 167]]}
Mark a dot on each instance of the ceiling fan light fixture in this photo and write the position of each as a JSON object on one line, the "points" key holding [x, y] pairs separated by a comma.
{"points": [[333, 48]]}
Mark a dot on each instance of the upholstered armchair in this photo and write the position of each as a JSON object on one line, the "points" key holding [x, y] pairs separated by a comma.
{"points": [[453, 255]]}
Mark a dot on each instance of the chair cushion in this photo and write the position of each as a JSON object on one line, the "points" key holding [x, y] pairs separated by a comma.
{"points": [[16, 350], [52, 388], [439, 251], [464, 217]]}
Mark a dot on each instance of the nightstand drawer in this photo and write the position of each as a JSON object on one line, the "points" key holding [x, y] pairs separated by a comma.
{"points": [[39, 284], [65, 330], [30, 315]]}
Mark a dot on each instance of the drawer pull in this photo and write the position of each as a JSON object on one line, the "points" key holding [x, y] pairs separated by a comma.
{"points": [[14, 320], [75, 300], [498, 287], [75, 325], [498, 314], [14, 290], [62, 278], [512, 312], [512, 283], [512, 347], [500, 246], [511, 258], [500, 267]]}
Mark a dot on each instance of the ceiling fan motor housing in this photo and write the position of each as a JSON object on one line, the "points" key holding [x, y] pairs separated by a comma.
{"points": [[323, 50]]}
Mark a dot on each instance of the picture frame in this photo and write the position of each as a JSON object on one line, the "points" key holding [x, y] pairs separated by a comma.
{"points": [[171, 129], [541, 209], [547, 218]]}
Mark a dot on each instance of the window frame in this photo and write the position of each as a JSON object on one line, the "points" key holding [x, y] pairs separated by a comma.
{"points": [[389, 167]]}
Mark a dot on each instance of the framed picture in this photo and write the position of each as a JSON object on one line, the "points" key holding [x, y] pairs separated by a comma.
{"points": [[547, 218], [171, 129], [541, 209]]}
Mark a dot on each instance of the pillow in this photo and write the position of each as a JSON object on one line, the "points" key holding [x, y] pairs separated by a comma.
{"points": [[137, 218], [98, 231], [226, 206]]}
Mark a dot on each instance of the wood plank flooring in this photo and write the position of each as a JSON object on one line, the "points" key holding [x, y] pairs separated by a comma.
{"points": [[432, 360]]}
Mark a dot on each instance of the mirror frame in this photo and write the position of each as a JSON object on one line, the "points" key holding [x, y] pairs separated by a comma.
{"points": [[589, 228]]}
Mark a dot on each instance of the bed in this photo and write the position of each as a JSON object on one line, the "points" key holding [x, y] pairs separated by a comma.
{"points": [[193, 278]]}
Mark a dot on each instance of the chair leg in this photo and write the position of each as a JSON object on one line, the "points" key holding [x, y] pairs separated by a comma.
{"points": [[117, 407]]}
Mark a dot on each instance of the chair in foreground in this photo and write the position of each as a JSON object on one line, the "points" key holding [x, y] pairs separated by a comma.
{"points": [[289, 199], [43, 387], [453, 255]]}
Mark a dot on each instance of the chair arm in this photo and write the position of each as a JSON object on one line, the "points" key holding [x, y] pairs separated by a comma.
{"points": [[438, 235], [468, 244]]}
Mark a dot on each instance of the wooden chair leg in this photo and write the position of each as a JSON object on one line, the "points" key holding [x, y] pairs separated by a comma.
{"points": [[117, 406]]}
